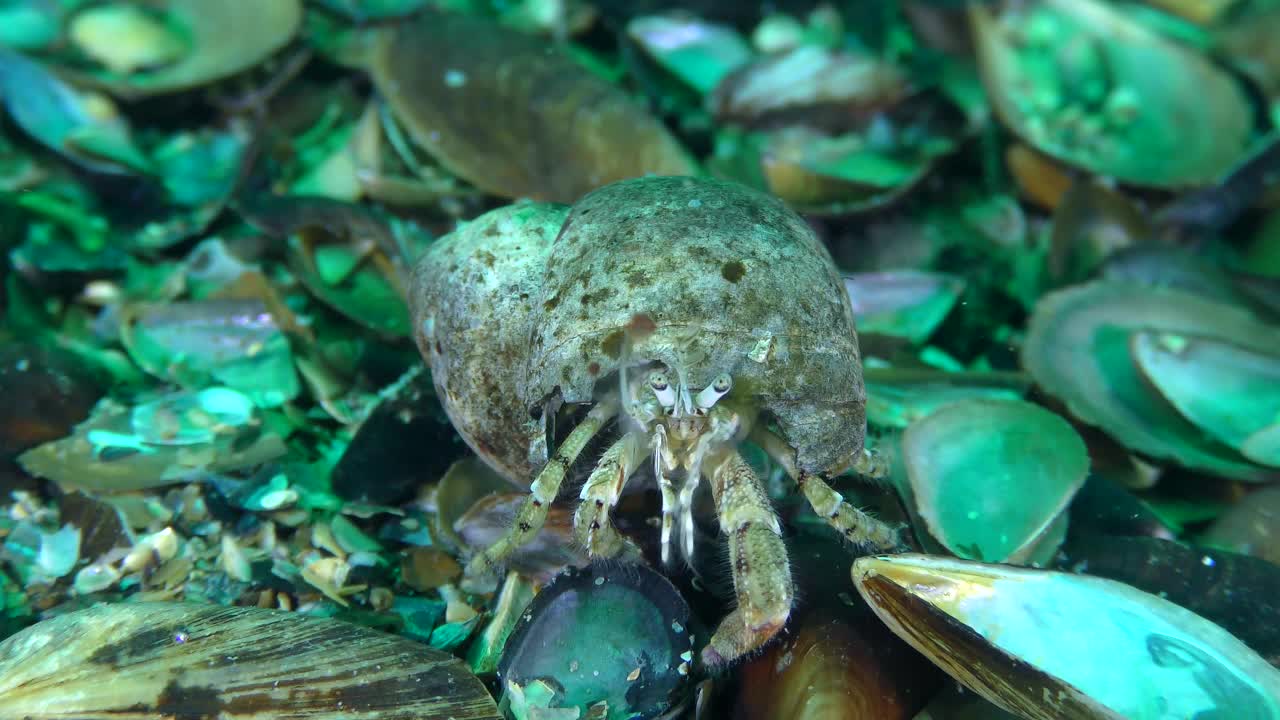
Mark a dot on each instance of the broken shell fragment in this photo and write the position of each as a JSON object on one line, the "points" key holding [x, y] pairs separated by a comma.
{"points": [[236, 343], [820, 88], [162, 660], [160, 441], [902, 303], [1050, 645], [990, 477], [698, 52]]}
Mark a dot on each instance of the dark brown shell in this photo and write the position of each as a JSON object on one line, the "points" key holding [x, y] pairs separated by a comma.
{"points": [[513, 114]]}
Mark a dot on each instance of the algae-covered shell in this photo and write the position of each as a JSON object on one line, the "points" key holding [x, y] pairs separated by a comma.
{"points": [[707, 277], [702, 275], [490, 268], [164, 660]]}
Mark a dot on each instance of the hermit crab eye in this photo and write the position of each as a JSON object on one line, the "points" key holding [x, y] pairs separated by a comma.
{"points": [[713, 392], [662, 389]]}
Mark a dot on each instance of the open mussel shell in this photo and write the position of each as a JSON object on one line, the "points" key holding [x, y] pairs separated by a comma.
{"points": [[855, 165], [1247, 39], [223, 37], [990, 477], [1050, 645], [1229, 392], [514, 115], [1073, 79], [1238, 592], [616, 635], [1078, 348], [898, 397], [1090, 223], [164, 660], [83, 127]]}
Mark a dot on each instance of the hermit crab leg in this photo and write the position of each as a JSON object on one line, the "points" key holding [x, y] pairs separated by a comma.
{"points": [[853, 524], [668, 489], [761, 571], [533, 513], [724, 425], [591, 524]]}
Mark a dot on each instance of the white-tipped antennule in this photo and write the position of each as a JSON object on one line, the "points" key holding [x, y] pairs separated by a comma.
{"points": [[660, 384], [712, 393]]}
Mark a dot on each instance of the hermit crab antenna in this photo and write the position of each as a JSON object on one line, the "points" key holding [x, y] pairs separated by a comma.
{"points": [[713, 392], [660, 384]]}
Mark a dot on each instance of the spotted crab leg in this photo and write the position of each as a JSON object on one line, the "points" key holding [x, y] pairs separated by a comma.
{"points": [[853, 524], [724, 425], [533, 513], [662, 460], [761, 570], [591, 524]]}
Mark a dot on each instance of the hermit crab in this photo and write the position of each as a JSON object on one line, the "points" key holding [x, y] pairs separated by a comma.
{"points": [[690, 315]]}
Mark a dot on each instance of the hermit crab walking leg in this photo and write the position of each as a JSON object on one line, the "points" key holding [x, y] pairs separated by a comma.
{"points": [[591, 524], [853, 524], [761, 571], [661, 460], [724, 425], [533, 513]]}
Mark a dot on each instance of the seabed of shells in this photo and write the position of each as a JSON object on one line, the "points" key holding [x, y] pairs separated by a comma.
{"points": [[232, 488]]}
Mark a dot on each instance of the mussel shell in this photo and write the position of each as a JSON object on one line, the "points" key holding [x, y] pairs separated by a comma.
{"points": [[620, 634], [514, 115], [227, 37], [990, 477], [1179, 134], [1050, 645], [1238, 592], [164, 660], [1077, 349]]}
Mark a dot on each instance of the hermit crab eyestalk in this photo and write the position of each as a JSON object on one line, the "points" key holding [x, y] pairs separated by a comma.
{"points": [[662, 389], [712, 393]]}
